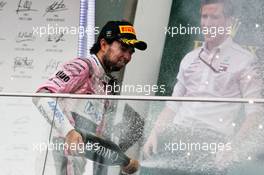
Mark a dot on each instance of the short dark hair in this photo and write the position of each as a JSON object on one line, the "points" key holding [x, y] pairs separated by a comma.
{"points": [[97, 46], [228, 6]]}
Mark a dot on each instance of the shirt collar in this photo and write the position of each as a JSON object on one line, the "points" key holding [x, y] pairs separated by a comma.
{"points": [[106, 78], [98, 63], [227, 43]]}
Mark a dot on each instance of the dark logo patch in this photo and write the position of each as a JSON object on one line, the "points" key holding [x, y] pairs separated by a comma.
{"points": [[61, 75]]}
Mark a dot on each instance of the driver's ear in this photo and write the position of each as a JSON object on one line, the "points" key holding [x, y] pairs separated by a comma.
{"points": [[104, 45]]}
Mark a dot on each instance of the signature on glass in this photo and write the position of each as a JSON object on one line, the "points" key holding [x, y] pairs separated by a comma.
{"points": [[25, 36], [52, 65], [2, 4], [23, 62], [56, 38], [24, 6], [55, 7]]}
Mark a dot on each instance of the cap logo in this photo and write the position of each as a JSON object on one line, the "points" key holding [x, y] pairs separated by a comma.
{"points": [[129, 42], [108, 33], [127, 29]]}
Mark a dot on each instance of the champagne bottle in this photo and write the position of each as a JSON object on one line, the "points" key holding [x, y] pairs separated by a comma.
{"points": [[103, 151]]}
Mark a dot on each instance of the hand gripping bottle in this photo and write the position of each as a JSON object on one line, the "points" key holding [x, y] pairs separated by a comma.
{"points": [[107, 152]]}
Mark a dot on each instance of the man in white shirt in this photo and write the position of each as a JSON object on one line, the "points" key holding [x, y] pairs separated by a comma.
{"points": [[220, 68]]}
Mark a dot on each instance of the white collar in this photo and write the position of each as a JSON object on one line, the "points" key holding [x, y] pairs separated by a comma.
{"points": [[98, 63], [227, 43], [106, 78]]}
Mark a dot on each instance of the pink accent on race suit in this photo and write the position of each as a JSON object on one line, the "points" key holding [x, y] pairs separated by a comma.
{"points": [[73, 77], [77, 76]]}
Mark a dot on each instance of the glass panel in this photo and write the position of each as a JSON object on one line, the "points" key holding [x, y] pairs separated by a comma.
{"points": [[189, 137], [205, 138], [22, 130]]}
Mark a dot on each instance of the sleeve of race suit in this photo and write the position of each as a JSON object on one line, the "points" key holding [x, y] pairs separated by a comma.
{"points": [[67, 79], [52, 112]]}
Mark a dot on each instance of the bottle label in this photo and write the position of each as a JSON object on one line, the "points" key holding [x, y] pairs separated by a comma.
{"points": [[108, 154]]}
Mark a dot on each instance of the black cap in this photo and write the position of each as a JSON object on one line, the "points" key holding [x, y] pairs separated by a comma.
{"points": [[122, 31]]}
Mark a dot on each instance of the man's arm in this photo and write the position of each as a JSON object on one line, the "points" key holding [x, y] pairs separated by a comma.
{"points": [[251, 85], [67, 79], [51, 110], [168, 113], [165, 117], [170, 109], [245, 141]]}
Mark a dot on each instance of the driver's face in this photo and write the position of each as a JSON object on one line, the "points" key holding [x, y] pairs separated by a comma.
{"points": [[117, 56]]}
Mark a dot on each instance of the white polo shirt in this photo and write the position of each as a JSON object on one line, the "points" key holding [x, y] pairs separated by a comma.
{"points": [[234, 75]]}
